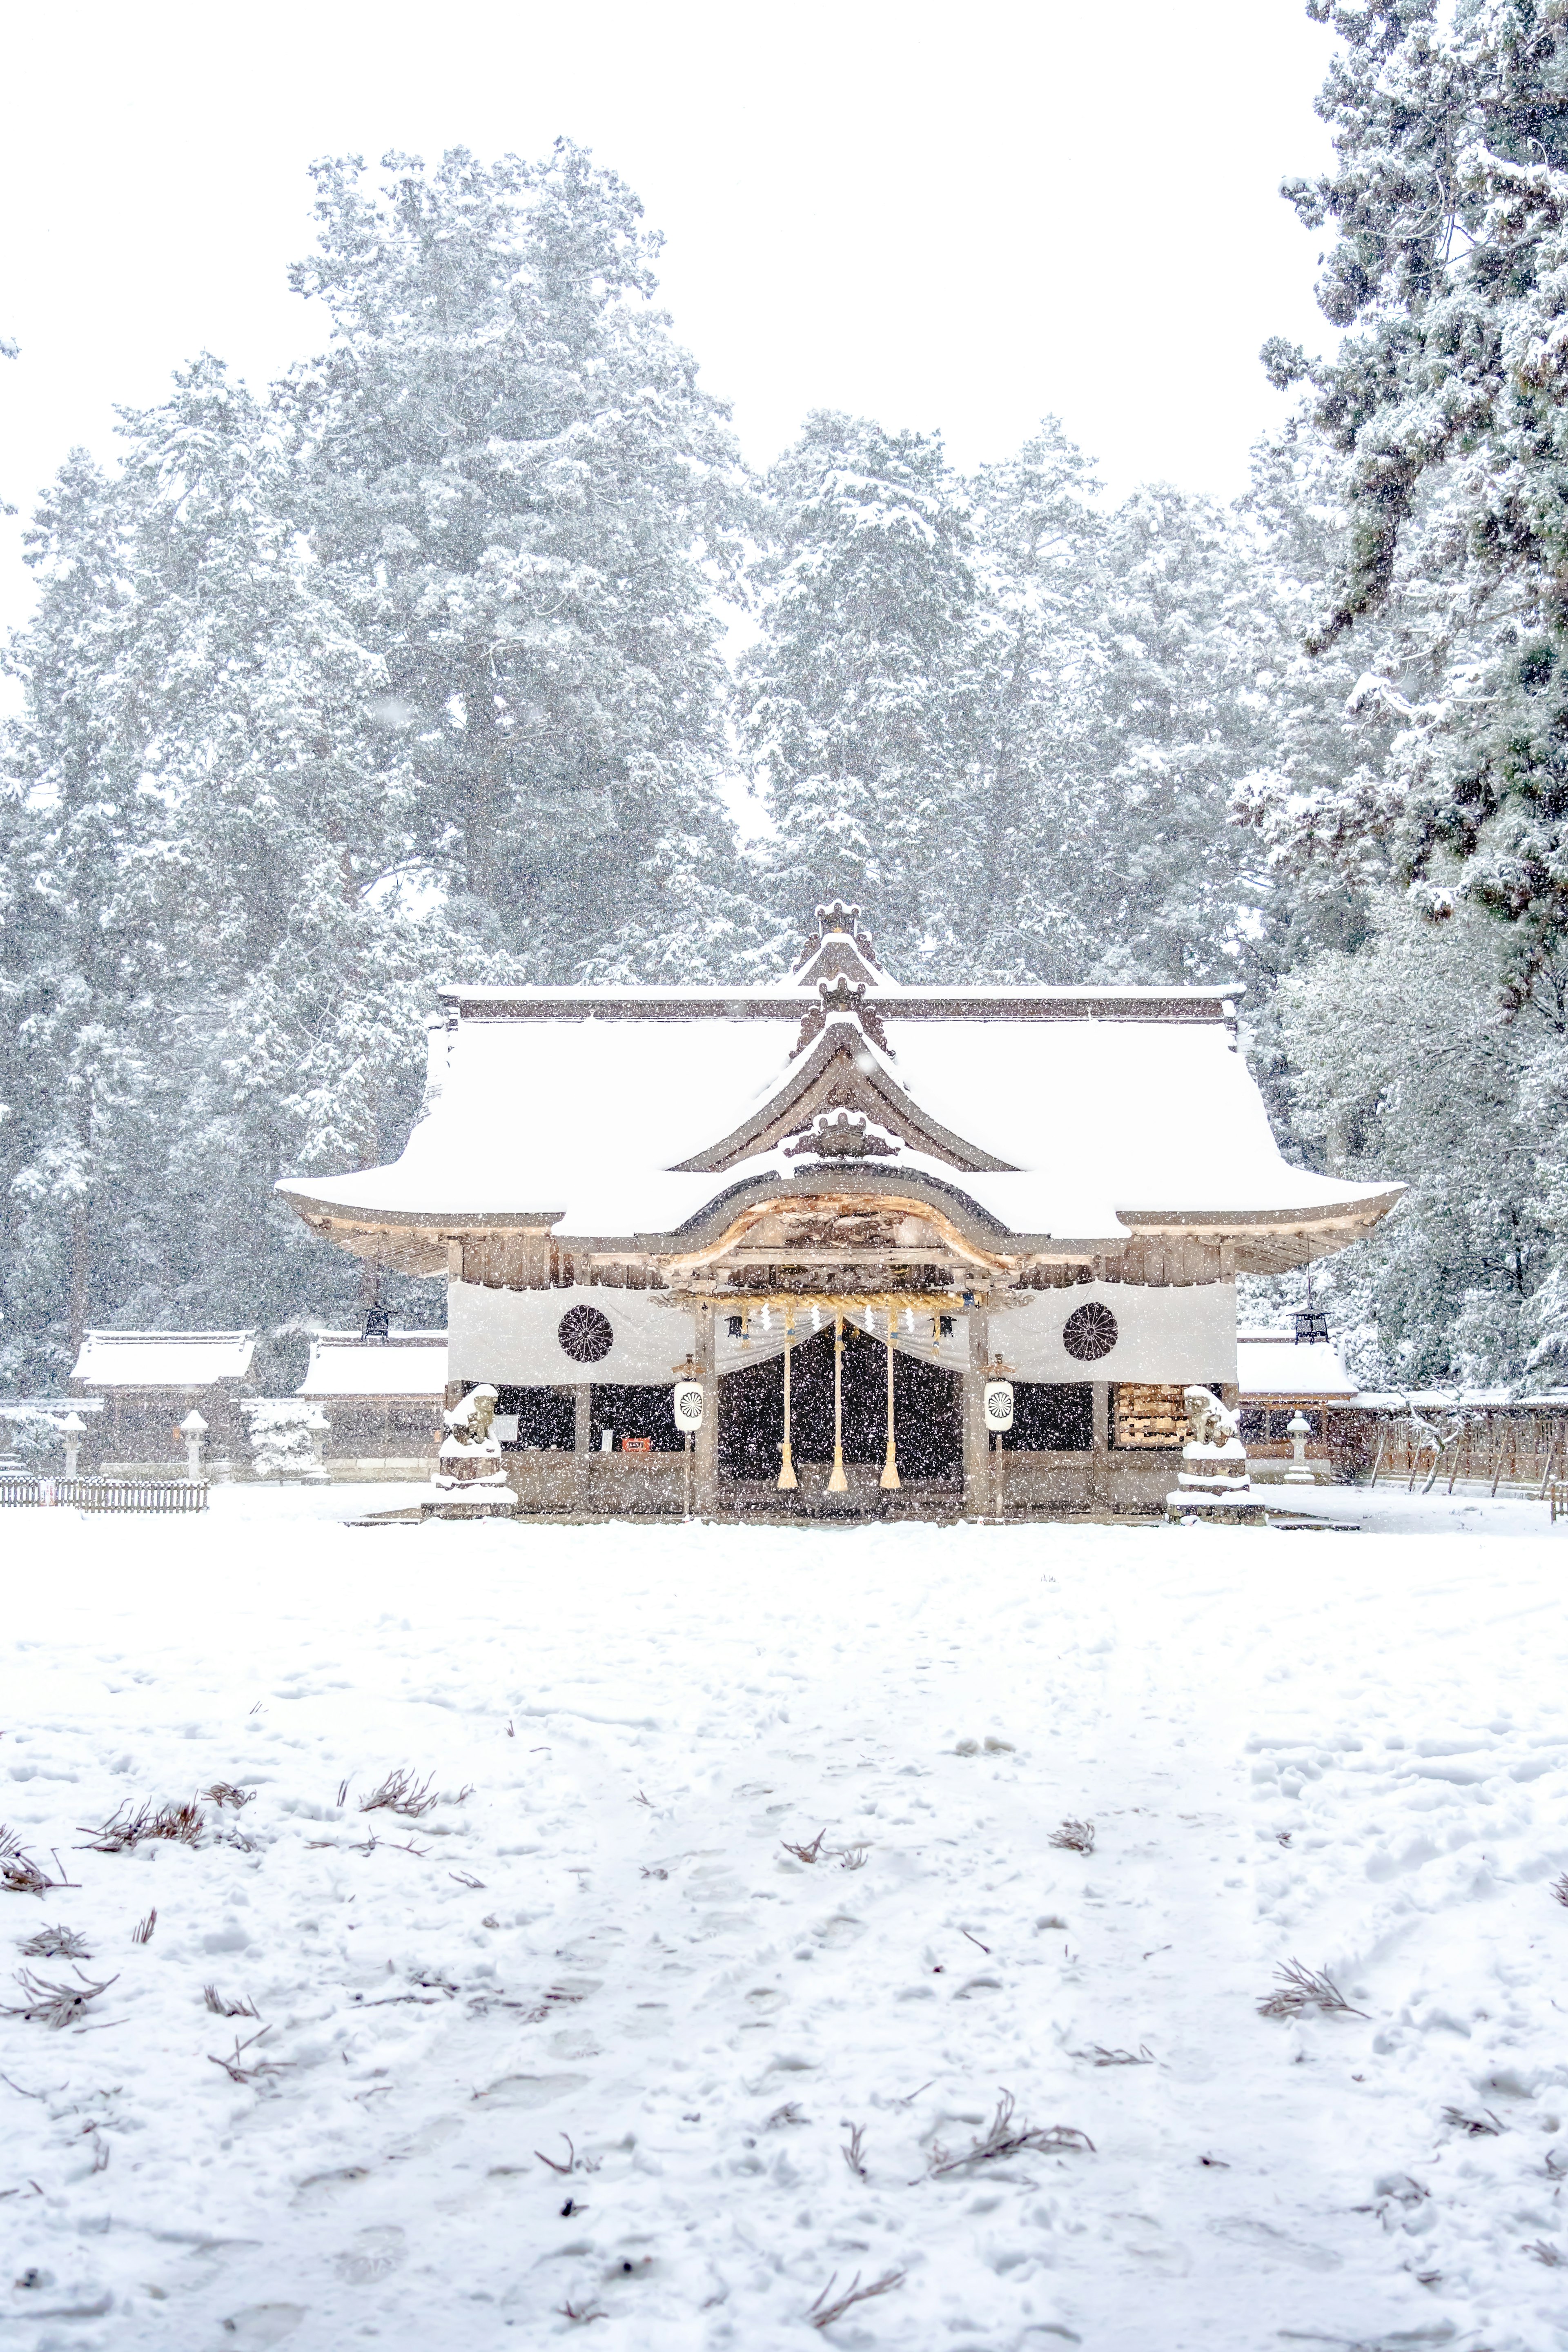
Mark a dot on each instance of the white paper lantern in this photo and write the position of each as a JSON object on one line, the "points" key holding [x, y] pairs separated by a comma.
{"points": [[686, 1403], [998, 1404]]}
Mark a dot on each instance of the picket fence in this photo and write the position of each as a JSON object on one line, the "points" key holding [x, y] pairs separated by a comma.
{"points": [[161, 1495]]}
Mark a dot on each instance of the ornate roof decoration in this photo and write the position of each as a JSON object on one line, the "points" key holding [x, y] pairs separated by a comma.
{"points": [[838, 999], [845, 1137], [846, 1070], [838, 950]]}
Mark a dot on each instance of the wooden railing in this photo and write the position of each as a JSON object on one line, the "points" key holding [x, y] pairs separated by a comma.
{"points": [[163, 1495], [1517, 1453]]}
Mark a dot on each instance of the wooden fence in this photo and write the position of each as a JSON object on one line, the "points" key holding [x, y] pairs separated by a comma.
{"points": [[163, 1495], [1518, 1452]]}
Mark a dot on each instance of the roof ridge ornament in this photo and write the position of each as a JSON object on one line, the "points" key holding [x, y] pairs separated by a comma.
{"points": [[839, 1000], [850, 1136], [838, 948]]}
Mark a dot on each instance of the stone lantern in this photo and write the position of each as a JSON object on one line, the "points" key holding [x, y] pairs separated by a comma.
{"points": [[1298, 1429], [317, 1428], [192, 1429], [72, 1429]]}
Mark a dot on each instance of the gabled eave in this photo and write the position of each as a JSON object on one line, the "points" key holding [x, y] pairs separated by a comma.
{"points": [[842, 1071]]}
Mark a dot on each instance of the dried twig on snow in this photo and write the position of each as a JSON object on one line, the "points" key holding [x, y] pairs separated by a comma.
{"points": [[235, 2066], [142, 1931], [854, 2149], [224, 1793], [571, 2163], [854, 1857], [221, 2006], [1077, 1837], [788, 2114], [53, 2004], [823, 2314], [582, 2318], [1560, 1887], [19, 1874], [465, 1878], [1097, 2056], [1005, 2138], [55, 1944], [401, 1793], [124, 1830], [1301, 1988], [1486, 2125], [1542, 2250], [806, 1853]]}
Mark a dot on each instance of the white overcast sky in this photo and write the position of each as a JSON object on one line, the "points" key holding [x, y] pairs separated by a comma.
{"points": [[951, 217]]}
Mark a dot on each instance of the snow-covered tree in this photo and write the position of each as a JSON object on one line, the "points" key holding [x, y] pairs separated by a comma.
{"points": [[1030, 838], [524, 504], [226, 940], [1171, 890], [81, 963], [857, 702], [1447, 206], [1405, 1064]]}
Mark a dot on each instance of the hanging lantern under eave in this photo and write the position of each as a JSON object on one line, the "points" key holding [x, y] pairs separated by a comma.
{"points": [[686, 1403], [998, 1406]]}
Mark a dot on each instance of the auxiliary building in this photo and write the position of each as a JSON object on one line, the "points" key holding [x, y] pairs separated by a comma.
{"points": [[844, 1207]]}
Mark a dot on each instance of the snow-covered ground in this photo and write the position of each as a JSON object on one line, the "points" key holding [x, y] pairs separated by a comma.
{"points": [[1348, 1749]]}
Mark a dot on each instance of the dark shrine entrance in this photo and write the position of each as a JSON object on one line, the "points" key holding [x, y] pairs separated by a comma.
{"points": [[927, 1411]]}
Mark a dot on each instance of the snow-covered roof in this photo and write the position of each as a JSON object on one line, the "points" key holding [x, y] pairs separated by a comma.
{"points": [[585, 1110], [344, 1364], [24, 1408], [1430, 1401], [164, 1360], [1276, 1364]]}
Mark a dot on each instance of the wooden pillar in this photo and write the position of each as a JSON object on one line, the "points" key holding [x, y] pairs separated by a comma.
{"points": [[707, 1462], [1099, 1470], [976, 1436], [582, 1438]]}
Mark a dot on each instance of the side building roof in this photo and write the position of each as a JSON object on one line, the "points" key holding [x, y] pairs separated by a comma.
{"points": [[1276, 1364], [164, 1360], [406, 1364]]}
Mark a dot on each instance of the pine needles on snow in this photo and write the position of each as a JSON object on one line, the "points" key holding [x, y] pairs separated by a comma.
{"points": [[1301, 1988], [222, 2007], [400, 1793], [55, 2005], [19, 1874], [55, 1944], [1077, 1837], [125, 1830], [1004, 2138], [823, 2314]]}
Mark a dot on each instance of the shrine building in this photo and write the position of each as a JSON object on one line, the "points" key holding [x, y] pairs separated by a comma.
{"points": [[844, 1207]]}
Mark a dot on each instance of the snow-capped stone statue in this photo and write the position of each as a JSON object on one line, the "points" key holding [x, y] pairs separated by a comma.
{"points": [[1213, 1479], [469, 1464]]}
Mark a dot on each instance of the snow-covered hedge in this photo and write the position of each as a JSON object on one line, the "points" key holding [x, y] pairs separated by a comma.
{"points": [[283, 1437]]}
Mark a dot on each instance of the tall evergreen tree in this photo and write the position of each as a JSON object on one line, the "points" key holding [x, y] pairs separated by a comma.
{"points": [[1404, 1062], [855, 703], [1448, 273], [1171, 893], [524, 504], [1036, 667], [217, 968], [81, 965]]}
